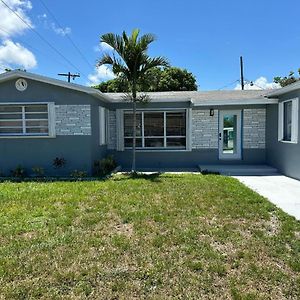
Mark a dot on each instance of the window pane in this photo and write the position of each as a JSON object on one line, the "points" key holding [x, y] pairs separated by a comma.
{"points": [[153, 124], [36, 123], [176, 124], [287, 129], [10, 108], [8, 131], [4, 123], [229, 133], [36, 116], [176, 142], [128, 124], [37, 130], [128, 142], [10, 116], [36, 108], [154, 142]]}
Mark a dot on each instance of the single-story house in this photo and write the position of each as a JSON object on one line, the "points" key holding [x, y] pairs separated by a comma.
{"points": [[43, 118]]}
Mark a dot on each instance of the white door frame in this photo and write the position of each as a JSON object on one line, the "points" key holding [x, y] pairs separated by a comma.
{"points": [[238, 153]]}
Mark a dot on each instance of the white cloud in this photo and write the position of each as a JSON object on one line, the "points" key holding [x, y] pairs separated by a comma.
{"points": [[15, 55], [260, 83], [101, 73], [102, 47], [11, 25], [62, 31]]}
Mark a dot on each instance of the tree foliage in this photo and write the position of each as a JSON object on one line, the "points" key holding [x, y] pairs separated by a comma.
{"points": [[291, 78], [154, 80]]}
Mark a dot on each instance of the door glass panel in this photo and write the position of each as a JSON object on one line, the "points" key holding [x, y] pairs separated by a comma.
{"points": [[229, 133]]}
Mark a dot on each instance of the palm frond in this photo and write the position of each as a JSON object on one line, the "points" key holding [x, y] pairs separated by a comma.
{"points": [[149, 63], [146, 40], [106, 59], [115, 41]]}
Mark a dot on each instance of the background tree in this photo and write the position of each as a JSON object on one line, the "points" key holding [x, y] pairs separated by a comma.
{"points": [[131, 62], [284, 81], [155, 80]]}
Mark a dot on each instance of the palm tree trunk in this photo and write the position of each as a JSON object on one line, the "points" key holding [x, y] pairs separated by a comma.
{"points": [[133, 168]]}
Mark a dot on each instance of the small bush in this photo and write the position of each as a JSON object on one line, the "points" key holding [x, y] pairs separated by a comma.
{"points": [[59, 162], [19, 172], [38, 171], [78, 174], [104, 166]]}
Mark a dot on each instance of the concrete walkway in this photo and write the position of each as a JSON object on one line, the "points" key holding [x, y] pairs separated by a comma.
{"points": [[283, 191]]}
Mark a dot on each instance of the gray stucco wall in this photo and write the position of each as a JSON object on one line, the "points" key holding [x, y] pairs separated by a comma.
{"points": [[77, 130], [284, 156]]}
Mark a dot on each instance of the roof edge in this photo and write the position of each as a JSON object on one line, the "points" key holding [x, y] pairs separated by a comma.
{"points": [[73, 86], [286, 89]]}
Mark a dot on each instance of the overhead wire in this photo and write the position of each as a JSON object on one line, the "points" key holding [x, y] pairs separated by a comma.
{"points": [[42, 38], [67, 35]]}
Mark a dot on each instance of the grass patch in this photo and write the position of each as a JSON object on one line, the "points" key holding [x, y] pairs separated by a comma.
{"points": [[145, 237]]}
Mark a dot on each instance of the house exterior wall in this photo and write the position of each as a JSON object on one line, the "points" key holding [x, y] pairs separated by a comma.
{"points": [[284, 156], [205, 139], [77, 131]]}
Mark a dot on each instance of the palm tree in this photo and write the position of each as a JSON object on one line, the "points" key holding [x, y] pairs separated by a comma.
{"points": [[131, 61]]}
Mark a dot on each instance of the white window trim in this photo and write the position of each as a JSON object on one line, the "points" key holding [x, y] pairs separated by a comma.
{"points": [[295, 114], [103, 115], [120, 130], [51, 121]]}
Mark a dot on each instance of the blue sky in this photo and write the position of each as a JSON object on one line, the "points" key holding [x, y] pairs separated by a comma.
{"points": [[205, 37]]}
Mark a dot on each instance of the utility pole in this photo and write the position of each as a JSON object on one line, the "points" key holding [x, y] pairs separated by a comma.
{"points": [[242, 72], [69, 75]]}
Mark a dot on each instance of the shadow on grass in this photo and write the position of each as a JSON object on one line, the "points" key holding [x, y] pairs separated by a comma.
{"points": [[49, 179], [154, 177]]}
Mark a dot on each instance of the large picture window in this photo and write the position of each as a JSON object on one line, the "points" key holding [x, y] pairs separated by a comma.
{"points": [[288, 121], [156, 129], [24, 120]]}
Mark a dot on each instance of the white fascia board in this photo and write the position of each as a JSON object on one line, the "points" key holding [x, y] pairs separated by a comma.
{"points": [[235, 102]]}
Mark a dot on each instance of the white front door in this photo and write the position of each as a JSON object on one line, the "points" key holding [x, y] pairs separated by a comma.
{"points": [[230, 133]]}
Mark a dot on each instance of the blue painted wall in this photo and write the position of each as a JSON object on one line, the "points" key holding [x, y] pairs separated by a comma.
{"points": [[284, 156]]}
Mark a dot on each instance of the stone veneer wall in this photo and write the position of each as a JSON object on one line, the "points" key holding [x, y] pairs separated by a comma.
{"points": [[254, 129], [204, 129], [112, 130], [73, 119]]}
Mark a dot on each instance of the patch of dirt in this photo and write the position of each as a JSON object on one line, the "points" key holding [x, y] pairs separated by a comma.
{"points": [[29, 235], [273, 225], [126, 229]]}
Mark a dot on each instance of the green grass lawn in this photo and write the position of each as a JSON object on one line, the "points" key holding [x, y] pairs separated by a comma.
{"points": [[151, 237]]}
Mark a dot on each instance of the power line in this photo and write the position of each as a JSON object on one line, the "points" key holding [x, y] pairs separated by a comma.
{"points": [[67, 35], [228, 85], [40, 36]]}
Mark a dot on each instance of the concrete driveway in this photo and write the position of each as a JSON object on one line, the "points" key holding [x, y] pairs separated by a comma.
{"points": [[283, 191]]}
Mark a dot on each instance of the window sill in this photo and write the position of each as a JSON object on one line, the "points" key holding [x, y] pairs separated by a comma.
{"points": [[287, 142], [158, 150]]}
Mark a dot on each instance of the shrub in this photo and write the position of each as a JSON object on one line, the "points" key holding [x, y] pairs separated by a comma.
{"points": [[59, 162], [78, 174], [104, 166], [19, 172], [38, 171]]}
